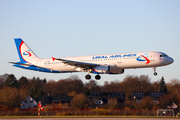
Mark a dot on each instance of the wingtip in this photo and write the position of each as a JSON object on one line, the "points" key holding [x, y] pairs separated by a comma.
{"points": [[53, 58]]}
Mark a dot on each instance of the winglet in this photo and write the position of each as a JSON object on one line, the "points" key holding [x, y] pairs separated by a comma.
{"points": [[53, 58]]}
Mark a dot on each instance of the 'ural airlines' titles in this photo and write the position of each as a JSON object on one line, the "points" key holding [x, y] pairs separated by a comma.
{"points": [[114, 56]]}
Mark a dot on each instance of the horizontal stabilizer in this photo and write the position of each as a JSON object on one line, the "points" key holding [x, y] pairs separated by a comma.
{"points": [[20, 64]]}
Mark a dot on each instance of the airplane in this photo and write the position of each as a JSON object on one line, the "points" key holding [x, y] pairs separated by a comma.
{"points": [[98, 64]]}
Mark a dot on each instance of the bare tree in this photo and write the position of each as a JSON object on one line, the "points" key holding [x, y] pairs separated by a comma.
{"points": [[113, 86], [112, 102], [93, 86], [79, 101], [51, 88], [163, 101], [146, 103], [10, 97], [174, 87]]}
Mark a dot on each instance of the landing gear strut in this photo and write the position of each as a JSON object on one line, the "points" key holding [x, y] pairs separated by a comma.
{"points": [[155, 73]]}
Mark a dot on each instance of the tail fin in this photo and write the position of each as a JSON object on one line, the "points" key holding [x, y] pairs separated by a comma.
{"points": [[26, 55]]}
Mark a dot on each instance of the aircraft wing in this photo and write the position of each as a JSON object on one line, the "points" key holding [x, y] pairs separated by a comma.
{"points": [[85, 66]]}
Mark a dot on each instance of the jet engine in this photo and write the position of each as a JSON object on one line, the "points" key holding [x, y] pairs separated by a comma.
{"points": [[101, 69], [117, 71]]}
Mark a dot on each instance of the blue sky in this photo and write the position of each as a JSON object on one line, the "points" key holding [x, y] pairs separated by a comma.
{"points": [[60, 28]]}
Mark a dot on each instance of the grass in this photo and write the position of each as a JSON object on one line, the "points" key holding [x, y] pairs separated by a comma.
{"points": [[91, 116]]}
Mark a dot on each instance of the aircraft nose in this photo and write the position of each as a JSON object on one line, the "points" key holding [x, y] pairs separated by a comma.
{"points": [[170, 60]]}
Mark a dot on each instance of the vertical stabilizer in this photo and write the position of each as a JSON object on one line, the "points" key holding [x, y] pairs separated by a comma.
{"points": [[26, 55]]}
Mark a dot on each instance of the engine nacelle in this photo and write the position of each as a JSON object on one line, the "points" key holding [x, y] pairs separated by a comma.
{"points": [[117, 71], [101, 69]]}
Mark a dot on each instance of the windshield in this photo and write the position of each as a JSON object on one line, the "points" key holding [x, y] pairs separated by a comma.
{"points": [[163, 55]]}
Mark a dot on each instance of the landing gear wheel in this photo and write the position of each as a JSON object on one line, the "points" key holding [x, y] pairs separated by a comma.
{"points": [[98, 77], [155, 73], [88, 77]]}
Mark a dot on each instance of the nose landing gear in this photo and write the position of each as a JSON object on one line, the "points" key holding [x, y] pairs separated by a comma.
{"points": [[155, 73]]}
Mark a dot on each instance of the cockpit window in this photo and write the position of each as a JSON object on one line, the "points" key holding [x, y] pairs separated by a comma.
{"points": [[163, 55]]}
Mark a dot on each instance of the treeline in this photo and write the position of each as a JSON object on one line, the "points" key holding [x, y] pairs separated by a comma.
{"points": [[13, 90]]}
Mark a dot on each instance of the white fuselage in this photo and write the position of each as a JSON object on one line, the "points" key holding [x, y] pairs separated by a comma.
{"points": [[116, 61]]}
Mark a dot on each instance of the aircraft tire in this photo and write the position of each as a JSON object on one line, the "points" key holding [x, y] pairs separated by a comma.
{"points": [[155, 73], [98, 77], [88, 77]]}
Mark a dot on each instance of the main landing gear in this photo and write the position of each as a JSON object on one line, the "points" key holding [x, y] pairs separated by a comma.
{"points": [[97, 77], [155, 73], [88, 76]]}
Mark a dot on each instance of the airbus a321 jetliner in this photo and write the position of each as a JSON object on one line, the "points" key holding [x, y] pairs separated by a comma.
{"points": [[98, 64]]}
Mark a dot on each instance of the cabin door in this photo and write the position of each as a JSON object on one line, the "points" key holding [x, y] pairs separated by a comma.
{"points": [[152, 56]]}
